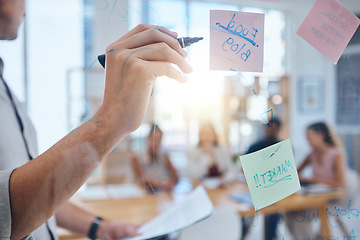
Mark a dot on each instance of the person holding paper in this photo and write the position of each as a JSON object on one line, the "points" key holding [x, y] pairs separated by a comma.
{"points": [[33, 191], [154, 168], [209, 159], [328, 164]]}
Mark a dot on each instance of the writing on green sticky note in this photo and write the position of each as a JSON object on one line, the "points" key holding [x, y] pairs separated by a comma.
{"points": [[274, 176], [271, 174]]}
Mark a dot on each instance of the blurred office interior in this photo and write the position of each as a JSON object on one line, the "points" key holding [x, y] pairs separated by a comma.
{"points": [[53, 69]]}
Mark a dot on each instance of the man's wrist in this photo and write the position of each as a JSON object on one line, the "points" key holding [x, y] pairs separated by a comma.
{"points": [[94, 227], [104, 229], [111, 121]]}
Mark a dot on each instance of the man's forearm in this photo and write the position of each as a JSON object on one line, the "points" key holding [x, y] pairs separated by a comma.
{"points": [[51, 179]]}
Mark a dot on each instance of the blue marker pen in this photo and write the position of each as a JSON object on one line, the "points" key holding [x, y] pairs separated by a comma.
{"points": [[184, 42]]}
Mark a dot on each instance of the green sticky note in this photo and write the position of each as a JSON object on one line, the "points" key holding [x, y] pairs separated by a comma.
{"points": [[271, 174]]}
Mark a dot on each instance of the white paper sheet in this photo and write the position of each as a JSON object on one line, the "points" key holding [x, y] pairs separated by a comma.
{"points": [[192, 209]]}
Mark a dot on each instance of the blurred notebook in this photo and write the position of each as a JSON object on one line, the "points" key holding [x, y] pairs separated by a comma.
{"points": [[111, 191], [212, 183], [242, 197], [317, 189]]}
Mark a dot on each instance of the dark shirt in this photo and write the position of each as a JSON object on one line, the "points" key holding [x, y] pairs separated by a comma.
{"points": [[271, 220], [266, 142]]}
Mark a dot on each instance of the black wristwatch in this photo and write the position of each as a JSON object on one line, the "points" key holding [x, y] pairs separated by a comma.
{"points": [[94, 227]]}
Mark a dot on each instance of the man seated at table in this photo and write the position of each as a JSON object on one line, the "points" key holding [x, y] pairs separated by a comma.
{"points": [[272, 130]]}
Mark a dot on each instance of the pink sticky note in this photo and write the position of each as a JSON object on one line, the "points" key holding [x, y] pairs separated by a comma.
{"points": [[329, 27], [236, 41]]}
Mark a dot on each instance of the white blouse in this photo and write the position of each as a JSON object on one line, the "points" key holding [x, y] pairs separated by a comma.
{"points": [[199, 162]]}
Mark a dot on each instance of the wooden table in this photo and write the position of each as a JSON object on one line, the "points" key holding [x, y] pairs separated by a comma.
{"points": [[143, 209], [295, 202]]}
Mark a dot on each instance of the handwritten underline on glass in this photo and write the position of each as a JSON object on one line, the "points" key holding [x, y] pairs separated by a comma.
{"points": [[288, 177], [265, 111], [257, 97], [275, 151], [237, 34]]}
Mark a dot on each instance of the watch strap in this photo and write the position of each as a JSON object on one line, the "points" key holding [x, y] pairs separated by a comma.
{"points": [[94, 227]]}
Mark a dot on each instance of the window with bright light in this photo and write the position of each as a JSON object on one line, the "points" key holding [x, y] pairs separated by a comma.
{"points": [[180, 108], [55, 45]]}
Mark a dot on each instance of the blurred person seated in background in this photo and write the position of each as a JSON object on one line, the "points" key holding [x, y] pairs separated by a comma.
{"points": [[326, 157], [328, 165], [209, 159], [272, 130], [154, 167]]}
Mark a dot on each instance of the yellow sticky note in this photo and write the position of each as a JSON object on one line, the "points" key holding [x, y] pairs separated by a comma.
{"points": [[271, 174]]}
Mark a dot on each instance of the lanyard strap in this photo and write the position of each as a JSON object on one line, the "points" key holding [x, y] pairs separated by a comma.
{"points": [[17, 117], [21, 128]]}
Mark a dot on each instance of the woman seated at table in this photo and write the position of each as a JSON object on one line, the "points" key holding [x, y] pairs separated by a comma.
{"points": [[328, 165], [326, 158], [154, 167], [209, 159]]}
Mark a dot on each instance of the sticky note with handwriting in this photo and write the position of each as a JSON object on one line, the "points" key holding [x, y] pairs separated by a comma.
{"points": [[328, 27], [271, 174], [236, 41]]}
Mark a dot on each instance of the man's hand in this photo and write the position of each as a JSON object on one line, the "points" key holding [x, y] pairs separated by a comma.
{"points": [[115, 230], [132, 64]]}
